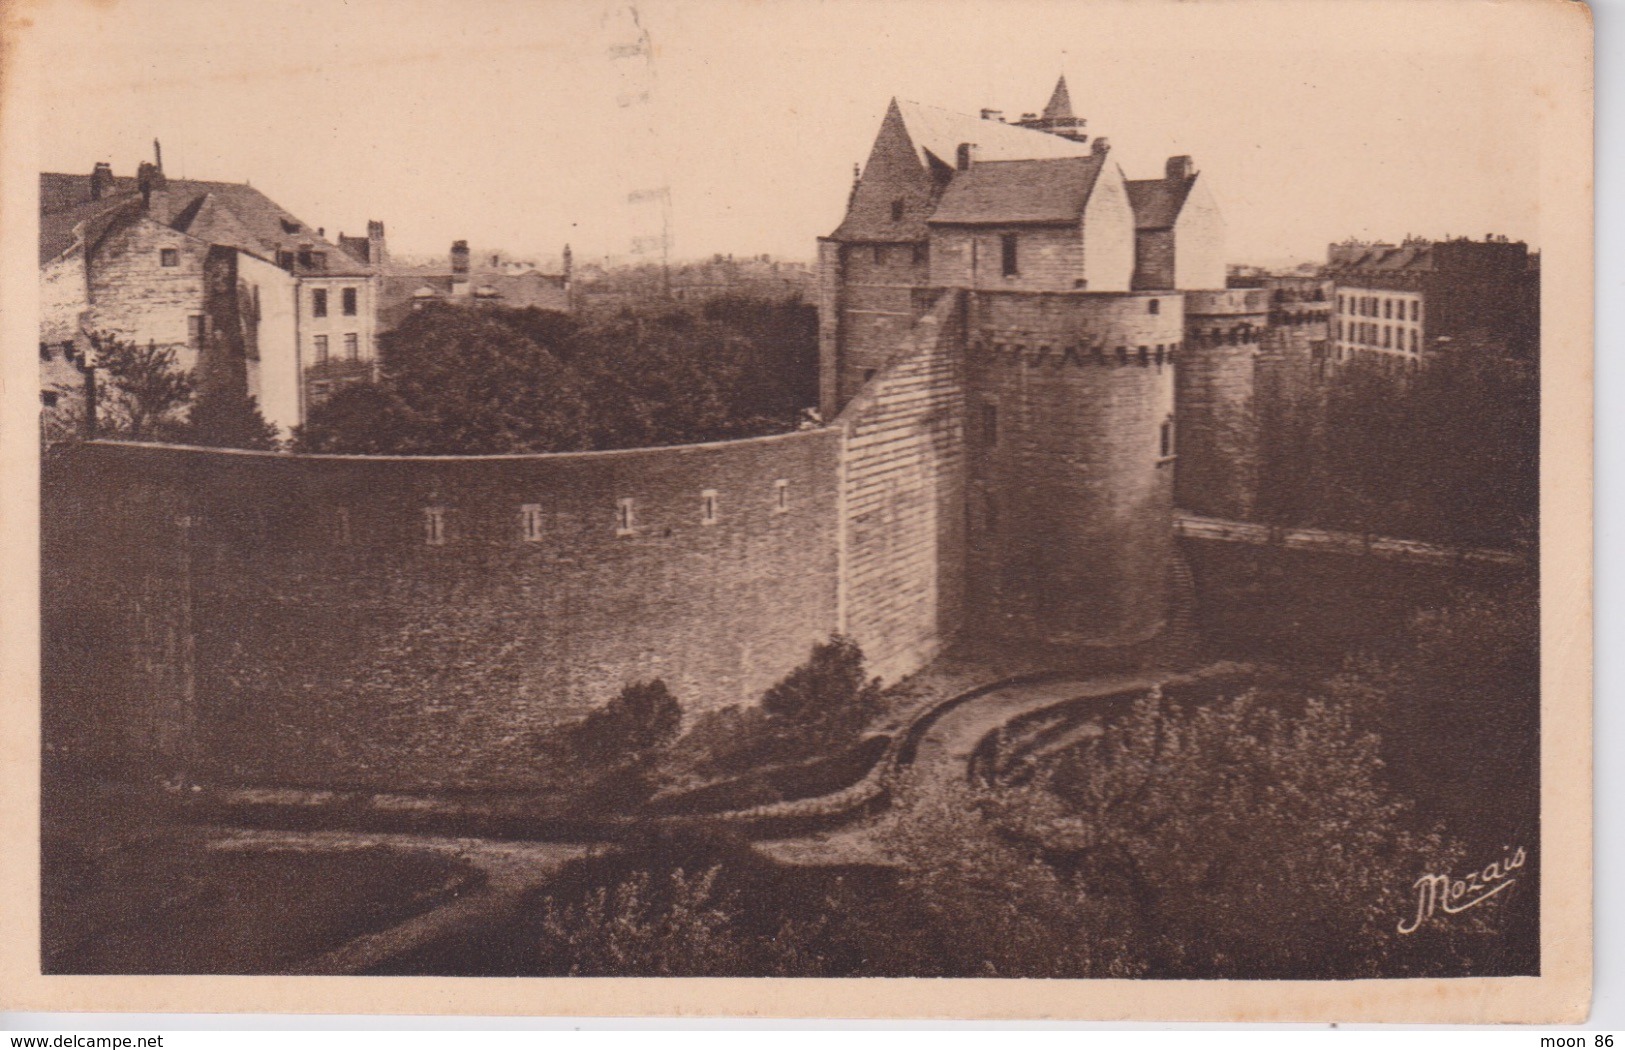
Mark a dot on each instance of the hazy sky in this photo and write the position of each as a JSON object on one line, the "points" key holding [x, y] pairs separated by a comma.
{"points": [[527, 123]]}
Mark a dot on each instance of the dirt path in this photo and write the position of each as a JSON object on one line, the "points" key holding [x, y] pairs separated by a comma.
{"points": [[514, 869], [511, 870], [944, 755]]}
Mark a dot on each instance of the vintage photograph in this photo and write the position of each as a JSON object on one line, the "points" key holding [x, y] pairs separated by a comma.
{"points": [[813, 490]]}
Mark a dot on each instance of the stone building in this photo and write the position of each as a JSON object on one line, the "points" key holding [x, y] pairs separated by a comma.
{"points": [[1081, 297], [1398, 303], [202, 266], [1027, 361]]}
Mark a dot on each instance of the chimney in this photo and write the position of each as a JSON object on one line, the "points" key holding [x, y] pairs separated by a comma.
{"points": [[1180, 168], [375, 242], [101, 180], [459, 257], [993, 114], [149, 178], [965, 156], [1100, 145]]}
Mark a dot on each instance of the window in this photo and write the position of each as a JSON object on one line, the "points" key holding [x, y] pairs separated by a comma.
{"points": [[1416, 309], [1165, 439], [318, 302], [319, 260], [48, 398], [304, 259], [897, 210], [352, 346], [285, 260], [990, 425], [169, 257], [625, 522], [434, 526], [1387, 308], [530, 522], [321, 349], [194, 331], [1386, 332], [1008, 257], [1154, 306], [1340, 305], [1413, 340], [708, 507], [349, 302], [781, 496]]}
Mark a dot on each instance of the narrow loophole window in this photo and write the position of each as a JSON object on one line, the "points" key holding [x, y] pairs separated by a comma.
{"points": [[530, 521]]}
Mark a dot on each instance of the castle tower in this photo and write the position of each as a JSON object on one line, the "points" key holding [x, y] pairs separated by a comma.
{"points": [[1068, 364], [1218, 428]]}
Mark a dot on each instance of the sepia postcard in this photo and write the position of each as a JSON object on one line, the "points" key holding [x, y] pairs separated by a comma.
{"points": [[577, 508]]}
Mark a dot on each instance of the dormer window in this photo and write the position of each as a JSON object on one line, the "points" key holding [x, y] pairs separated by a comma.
{"points": [[169, 257], [289, 226]]}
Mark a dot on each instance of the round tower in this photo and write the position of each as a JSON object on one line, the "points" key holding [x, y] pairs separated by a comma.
{"points": [[1215, 387], [1071, 445]]}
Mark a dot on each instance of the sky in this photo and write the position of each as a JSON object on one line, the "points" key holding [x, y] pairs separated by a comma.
{"points": [[734, 124]]}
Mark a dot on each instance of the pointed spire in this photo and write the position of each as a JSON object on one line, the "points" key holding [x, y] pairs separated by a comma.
{"points": [[1060, 103]]}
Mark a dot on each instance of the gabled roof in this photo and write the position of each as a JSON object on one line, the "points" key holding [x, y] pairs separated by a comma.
{"points": [[1054, 190], [1158, 202], [938, 133], [234, 214], [56, 230]]}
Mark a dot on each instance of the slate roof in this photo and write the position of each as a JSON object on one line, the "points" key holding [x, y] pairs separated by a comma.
{"points": [[1388, 258], [230, 213], [56, 230], [1054, 190], [1158, 202], [938, 133]]}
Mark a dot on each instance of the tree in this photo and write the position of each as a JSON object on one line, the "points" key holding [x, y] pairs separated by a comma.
{"points": [[1245, 841], [642, 716], [828, 693], [144, 386], [456, 381], [361, 419], [228, 419]]}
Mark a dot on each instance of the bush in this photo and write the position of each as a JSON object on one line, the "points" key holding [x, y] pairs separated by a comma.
{"points": [[820, 707], [828, 695], [644, 715]]}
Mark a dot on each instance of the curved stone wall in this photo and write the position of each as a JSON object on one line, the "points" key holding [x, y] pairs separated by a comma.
{"points": [[411, 623], [1071, 453]]}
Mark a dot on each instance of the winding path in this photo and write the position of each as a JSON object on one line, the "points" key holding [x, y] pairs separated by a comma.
{"points": [[943, 755], [514, 869]]}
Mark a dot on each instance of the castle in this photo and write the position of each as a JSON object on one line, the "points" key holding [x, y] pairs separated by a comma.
{"points": [[1070, 302], [1027, 360]]}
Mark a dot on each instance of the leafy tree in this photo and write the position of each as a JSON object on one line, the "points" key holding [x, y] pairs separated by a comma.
{"points": [[829, 691], [1245, 841], [361, 419], [818, 708], [143, 387], [643, 715], [1448, 452], [228, 418]]}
